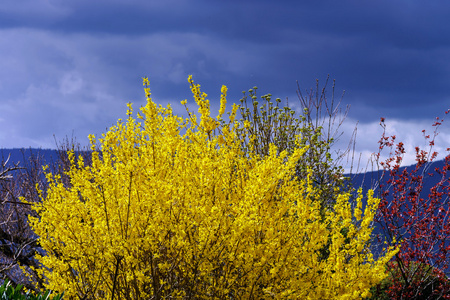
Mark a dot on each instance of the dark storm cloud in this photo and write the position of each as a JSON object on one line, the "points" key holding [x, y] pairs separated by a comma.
{"points": [[391, 57]]}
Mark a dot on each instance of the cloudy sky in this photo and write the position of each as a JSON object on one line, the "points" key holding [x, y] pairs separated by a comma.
{"points": [[68, 68]]}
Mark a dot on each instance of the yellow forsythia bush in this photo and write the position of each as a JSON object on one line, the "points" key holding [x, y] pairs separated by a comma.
{"points": [[170, 209]]}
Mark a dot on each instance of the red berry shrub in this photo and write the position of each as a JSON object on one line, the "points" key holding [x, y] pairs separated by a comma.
{"points": [[416, 215]]}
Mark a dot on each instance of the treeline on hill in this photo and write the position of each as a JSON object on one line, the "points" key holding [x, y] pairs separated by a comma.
{"points": [[253, 207]]}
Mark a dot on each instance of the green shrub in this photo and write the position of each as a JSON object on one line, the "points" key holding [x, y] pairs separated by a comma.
{"points": [[8, 292]]}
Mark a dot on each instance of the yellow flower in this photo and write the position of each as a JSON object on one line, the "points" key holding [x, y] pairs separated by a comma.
{"points": [[172, 208]]}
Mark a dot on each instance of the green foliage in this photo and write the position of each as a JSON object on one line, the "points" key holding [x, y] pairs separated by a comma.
{"points": [[318, 125], [8, 292]]}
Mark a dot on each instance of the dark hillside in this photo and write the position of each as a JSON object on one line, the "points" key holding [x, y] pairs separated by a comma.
{"points": [[23, 156], [372, 179]]}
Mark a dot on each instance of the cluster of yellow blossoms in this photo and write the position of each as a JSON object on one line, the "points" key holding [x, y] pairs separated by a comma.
{"points": [[165, 214]]}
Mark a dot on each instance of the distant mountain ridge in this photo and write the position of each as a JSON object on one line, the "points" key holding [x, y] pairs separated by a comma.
{"points": [[369, 179], [22, 156]]}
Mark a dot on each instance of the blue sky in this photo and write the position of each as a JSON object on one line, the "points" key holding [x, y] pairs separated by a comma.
{"points": [[69, 67]]}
